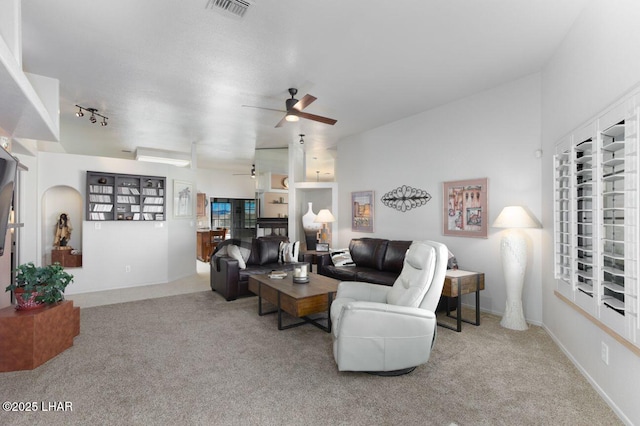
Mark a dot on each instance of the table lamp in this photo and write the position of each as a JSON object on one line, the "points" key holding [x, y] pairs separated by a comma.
{"points": [[513, 250], [324, 234]]}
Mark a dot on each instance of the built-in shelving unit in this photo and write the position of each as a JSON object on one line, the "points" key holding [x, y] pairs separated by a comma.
{"points": [[596, 213], [112, 196]]}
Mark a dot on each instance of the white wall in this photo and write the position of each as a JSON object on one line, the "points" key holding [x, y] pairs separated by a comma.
{"points": [[156, 252], [596, 63], [493, 134]]}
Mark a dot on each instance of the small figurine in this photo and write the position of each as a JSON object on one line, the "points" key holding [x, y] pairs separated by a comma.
{"points": [[63, 231]]}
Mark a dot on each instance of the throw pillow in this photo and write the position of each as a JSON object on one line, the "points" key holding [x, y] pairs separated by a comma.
{"points": [[234, 253], [341, 257], [222, 251], [289, 252]]}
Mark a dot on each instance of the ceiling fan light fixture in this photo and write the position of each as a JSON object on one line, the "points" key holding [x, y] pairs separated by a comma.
{"points": [[291, 117]]}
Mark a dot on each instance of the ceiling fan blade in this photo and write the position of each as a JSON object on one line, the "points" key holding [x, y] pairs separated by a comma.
{"points": [[268, 109], [319, 118], [304, 102], [281, 122]]}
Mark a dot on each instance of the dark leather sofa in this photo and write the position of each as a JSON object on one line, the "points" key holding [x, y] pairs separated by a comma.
{"points": [[376, 261], [232, 282]]}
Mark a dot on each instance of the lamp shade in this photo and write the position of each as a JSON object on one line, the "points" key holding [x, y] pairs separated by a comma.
{"points": [[515, 217], [324, 216]]}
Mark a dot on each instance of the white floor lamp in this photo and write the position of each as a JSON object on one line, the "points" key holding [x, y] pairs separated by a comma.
{"points": [[513, 250]]}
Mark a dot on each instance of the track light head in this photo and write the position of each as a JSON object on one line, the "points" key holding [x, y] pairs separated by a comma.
{"points": [[253, 171], [301, 140], [93, 112]]}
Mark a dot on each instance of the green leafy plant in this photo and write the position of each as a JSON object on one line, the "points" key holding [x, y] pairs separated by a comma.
{"points": [[48, 282]]}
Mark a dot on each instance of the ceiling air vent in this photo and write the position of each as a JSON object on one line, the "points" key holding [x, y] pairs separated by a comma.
{"points": [[236, 8]]}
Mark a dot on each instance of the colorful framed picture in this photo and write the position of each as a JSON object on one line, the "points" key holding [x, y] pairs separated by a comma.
{"points": [[465, 208], [182, 199], [362, 211]]}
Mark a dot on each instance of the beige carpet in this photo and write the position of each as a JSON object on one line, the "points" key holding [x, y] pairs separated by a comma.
{"points": [[197, 359]]}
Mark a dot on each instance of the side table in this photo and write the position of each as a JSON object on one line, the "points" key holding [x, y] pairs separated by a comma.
{"points": [[457, 283], [65, 258], [312, 256]]}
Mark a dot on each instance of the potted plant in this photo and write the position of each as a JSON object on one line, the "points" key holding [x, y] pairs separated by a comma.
{"points": [[36, 286]]}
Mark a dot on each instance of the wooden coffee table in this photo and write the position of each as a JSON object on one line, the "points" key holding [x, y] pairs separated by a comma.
{"points": [[299, 300]]}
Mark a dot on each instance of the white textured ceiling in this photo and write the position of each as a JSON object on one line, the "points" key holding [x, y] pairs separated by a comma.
{"points": [[172, 73]]}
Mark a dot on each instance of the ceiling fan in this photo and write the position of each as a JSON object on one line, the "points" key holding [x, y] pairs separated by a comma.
{"points": [[294, 109], [252, 173]]}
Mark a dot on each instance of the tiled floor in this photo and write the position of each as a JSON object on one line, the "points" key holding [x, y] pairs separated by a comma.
{"points": [[192, 284]]}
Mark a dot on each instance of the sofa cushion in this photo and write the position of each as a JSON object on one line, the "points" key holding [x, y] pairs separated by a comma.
{"points": [[394, 256], [377, 277], [368, 252], [269, 250], [341, 273], [254, 258]]}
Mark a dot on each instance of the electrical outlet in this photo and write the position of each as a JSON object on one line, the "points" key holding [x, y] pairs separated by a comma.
{"points": [[605, 353], [127, 268]]}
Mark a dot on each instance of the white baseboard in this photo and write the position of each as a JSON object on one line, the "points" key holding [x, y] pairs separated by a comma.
{"points": [[590, 379]]}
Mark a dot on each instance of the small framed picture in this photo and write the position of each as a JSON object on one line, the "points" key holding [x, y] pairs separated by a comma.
{"points": [[362, 204], [322, 247], [465, 208]]}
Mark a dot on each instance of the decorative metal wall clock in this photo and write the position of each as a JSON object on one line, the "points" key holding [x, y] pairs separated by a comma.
{"points": [[405, 198]]}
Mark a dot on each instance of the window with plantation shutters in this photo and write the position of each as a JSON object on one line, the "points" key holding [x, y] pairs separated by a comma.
{"points": [[596, 219]]}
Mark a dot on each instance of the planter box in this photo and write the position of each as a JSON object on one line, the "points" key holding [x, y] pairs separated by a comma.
{"points": [[31, 338]]}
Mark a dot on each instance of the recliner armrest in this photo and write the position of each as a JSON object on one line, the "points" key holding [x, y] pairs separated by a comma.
{"points": [[363, 291], [383, 320]]}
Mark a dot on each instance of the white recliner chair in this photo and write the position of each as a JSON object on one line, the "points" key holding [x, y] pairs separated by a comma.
{"points": [[390, 330]]}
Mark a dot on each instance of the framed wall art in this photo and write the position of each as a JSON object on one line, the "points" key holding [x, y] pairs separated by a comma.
{"points": [[362, 211], [182, 199], [465, 208]]}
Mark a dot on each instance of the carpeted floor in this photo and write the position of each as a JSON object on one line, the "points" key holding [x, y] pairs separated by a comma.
{"points": [[197, 359]]}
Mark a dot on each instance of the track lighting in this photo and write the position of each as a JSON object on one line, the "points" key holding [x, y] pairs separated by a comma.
{"points": [[93, 112], [253, 171], [301, 140]]}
